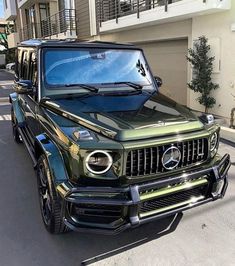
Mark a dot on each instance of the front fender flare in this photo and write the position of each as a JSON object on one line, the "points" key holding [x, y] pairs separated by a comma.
{"points": [[14, 100], [43, 144]]}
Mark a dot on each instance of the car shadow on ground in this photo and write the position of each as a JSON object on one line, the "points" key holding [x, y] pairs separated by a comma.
{"points": [[101, 246]]}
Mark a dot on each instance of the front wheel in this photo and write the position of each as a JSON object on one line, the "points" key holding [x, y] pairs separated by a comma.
{"points": [[49, 202]]}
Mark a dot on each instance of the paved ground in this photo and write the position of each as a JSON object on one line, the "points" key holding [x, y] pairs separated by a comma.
{"points": [[5, 75], [202, 236], [6, 81]]}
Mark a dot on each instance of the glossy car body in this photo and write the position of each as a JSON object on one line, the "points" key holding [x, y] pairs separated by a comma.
{"points": [[159, 155]]}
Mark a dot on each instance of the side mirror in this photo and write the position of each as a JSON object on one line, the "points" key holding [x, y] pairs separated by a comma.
{"points": [[23, 87], [159, 81]]}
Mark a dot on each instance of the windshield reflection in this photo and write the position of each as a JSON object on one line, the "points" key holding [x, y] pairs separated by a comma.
{"points": [[92, 66]]}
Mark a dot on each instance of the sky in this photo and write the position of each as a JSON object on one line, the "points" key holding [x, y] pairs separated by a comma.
{"points": [[1, 9]]}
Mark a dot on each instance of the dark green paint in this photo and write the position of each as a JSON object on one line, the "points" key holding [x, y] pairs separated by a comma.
{"points": [[55, 160]]}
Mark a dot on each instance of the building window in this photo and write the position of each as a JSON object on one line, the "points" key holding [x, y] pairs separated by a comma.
{"points": [[45, 23], [44, 11]]}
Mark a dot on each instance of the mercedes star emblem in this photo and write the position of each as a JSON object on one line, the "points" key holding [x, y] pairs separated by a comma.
{"points": [[171, 158]]}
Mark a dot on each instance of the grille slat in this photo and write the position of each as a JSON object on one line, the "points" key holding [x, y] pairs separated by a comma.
{"points": [[202, 148], [148, 161], [188, 152], [185, 151], [158, 157], [151, 160], [131, 161], [198, 149], [145, 164], [138, 162]]}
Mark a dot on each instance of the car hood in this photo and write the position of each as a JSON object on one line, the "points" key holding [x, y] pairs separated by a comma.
{"points": [[127, 116]]}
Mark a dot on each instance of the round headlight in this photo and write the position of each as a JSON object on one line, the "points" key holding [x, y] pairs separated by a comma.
{"points": [[98, 162], [213, 141]]}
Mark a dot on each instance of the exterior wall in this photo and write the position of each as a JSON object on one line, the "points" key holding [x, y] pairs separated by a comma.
{"points": [[10, 9], [93, 17], [37, 11], [174, 30], [13, 39], [83, 19], [219, 27], [17, 21], [53, 7]]}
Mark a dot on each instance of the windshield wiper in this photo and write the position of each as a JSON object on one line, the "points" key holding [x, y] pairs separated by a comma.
{"points": [[131, 84], [84, 86]]}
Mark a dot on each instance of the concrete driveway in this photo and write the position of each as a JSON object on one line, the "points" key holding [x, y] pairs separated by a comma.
{"points": [[202, 236]]}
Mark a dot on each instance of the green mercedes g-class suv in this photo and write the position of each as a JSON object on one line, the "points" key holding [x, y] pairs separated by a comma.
{"points": [[111, 152]]}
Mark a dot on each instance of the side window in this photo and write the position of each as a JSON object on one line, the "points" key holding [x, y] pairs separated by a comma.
{"points": [[24, 65], [33, 68]]}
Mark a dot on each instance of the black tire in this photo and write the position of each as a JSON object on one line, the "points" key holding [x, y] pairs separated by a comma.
{"points": [[15, 132], [49, 202]]}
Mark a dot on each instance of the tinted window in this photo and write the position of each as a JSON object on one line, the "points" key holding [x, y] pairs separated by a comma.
{"points": [[33, 67], [92, 66], [24, 65]]}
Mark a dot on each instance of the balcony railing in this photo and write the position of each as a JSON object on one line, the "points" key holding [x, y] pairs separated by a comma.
{"points": [[61, 22], [114, 9]]}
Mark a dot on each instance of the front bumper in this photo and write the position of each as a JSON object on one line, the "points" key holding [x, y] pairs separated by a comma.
{"points": [[110, 210]]}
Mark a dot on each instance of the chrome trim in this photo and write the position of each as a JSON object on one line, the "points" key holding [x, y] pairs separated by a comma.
{"points": [[177, 161], [173, 189], [99, 172], [167, 208], [214, 135]]}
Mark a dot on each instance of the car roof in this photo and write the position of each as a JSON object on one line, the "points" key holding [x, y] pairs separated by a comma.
{"points": [[38, 43]]}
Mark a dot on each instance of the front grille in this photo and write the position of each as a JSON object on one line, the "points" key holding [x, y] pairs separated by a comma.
{"points": [[148, 161], [159, 204]]}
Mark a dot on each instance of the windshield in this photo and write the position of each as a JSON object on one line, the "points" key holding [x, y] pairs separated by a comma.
{"points": [[98, 67]]}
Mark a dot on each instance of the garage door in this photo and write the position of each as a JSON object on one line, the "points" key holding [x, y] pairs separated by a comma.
{"points": [[167, 60]]}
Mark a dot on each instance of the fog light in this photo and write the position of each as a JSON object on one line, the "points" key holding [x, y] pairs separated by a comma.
{"points": [[217, 188]]}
